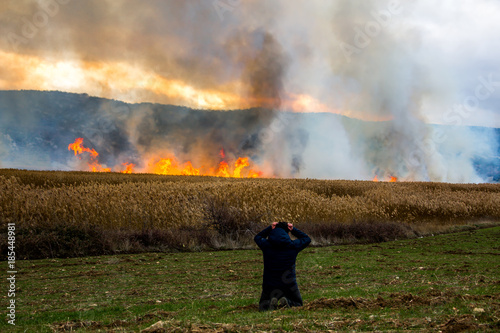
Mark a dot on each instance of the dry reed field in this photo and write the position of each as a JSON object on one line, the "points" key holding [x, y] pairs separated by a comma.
{"points": [[62, 214]]}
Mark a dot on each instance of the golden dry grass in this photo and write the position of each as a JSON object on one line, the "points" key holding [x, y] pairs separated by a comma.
{"points": [[116, 201]]}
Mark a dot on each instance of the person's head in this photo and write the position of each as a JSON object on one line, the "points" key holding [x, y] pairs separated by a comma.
{"points": [[284, 226]]}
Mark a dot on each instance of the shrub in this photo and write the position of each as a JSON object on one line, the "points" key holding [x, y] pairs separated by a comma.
{"points": [[359, 232]]}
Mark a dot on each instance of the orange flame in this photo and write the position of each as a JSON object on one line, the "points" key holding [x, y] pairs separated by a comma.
{"points": [[163, 167], [223, 170], [129, 168], [254, 174], [96, 167], [239, 165], [78, 148], [189, 170], [391, 179], [170, 165]]}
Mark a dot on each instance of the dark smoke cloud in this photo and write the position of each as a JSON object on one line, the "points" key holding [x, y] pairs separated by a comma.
{"points": [[264, 52], [180, 39], [265, 66]]}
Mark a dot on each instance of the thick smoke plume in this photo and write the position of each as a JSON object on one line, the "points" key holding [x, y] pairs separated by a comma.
{"points": [[373, 68]]}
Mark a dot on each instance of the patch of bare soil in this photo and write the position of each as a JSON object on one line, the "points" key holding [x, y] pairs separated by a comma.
{"points": [[463, 323], [72, 325], [170, 327], [69, 326], [394, 300], [254, 307], [157, 314]]}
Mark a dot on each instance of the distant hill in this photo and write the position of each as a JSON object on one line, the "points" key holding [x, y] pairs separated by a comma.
{"points": [[36, 128], [44, 123]]}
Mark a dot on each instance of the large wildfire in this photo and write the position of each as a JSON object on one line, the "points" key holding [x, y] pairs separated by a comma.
{"points": [[171, 166], [367, 87], [167, 164]]}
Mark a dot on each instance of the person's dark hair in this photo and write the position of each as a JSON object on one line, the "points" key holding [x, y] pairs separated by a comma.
{"points": [[283, 225]]}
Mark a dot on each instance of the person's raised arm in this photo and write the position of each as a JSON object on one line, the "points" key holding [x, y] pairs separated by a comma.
{"points": [[260, 238], [302, 240]]}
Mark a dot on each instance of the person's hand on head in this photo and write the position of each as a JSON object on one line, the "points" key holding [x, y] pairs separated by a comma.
{"points": [[274, 224], [290, 226]]}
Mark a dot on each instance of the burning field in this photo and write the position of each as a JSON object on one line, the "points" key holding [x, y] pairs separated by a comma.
{"points": [[170, 165], [61, 131], [323, 90]]}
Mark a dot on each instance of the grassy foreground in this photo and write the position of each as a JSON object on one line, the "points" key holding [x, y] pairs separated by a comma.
{"points": [[446, 283]]}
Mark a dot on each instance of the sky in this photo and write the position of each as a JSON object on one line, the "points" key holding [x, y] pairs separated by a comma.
{"points": [[374, 60]]}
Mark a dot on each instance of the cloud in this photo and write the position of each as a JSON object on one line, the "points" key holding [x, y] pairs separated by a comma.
{"points": [[205, 48]]}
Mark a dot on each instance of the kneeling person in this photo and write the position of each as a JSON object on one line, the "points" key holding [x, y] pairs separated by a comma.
{"points": [[279, 286]]}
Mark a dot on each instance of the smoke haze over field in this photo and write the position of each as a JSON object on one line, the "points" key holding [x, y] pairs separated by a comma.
{"points": [[400, 66]]}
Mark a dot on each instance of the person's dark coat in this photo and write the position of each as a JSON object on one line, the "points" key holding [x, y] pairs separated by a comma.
{"points": [[280, 253]]}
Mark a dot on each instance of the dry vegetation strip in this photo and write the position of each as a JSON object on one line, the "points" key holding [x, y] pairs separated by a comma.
{"points": [[154, 210]]}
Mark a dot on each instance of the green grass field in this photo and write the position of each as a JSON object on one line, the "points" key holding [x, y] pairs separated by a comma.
{"points": [[443, 283]]}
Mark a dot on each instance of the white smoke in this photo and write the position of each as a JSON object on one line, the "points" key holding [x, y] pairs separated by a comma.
{"points": [[369, 59]]}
